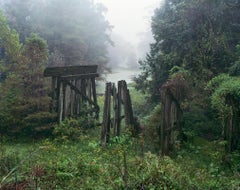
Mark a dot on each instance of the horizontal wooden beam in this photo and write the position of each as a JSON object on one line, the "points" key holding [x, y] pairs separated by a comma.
{"points": [[81, 76], [70, 70]]}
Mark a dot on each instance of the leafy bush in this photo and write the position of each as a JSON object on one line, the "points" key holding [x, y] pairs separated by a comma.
{"points": [[200, 122], [67, 130], [71, 129]]}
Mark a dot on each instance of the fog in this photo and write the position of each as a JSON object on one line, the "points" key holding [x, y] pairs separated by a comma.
{"points": [[131, 33], [114, 36], [131, 20]]}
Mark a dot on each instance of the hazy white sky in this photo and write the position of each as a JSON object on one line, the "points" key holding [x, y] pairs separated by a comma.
{"points": [[130, 17]]}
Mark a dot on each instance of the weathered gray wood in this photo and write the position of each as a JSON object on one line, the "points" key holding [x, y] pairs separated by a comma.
{"points": [[81, 76], [127, 105], [95, 97], [119, 109], [171, 120], [72, 100], [118, 98], [79, 97], [81, 93], [105, 135], [53, 106], [60, 102], [83, 90], [130, 110], [70, 70], [115, 109], [64, 100], [73, 90], [67, 110]]}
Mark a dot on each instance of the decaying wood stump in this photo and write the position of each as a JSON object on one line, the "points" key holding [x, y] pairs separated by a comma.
{"points": [[172, 94]]}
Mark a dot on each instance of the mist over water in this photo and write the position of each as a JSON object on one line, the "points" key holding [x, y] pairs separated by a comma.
{"points": [[131, 35]]}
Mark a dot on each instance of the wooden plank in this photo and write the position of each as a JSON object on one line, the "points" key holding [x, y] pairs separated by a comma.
{"points": [[105, 134], [127, 105], [72, 100], [95, 97], [80, 76], [60, 103], [64, 100], [78, 96], [70, 70], [53, 106], [115, 109], [81, 93], [119, 108]]}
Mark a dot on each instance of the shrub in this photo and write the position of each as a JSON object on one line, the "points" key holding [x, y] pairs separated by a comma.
{"points": [[71, 129], [151, 129]]}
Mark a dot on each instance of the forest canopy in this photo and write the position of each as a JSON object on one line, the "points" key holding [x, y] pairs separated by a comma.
{"points": [[198, 36], [76, 31]]}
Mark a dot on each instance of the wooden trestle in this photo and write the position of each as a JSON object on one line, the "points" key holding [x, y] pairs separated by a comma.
{"points": [[73, 91]]}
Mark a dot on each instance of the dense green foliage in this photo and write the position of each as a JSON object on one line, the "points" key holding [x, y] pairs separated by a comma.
{"points": [[85, 165], [199, 36], [24, 103]]}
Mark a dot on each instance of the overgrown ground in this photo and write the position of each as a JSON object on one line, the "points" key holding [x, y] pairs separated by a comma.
{"points": [[50, 164], [74, 159]]}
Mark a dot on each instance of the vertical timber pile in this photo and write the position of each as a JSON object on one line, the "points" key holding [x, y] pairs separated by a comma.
{"points": [[172, 94], [73, 91], [107, 115], [120, 97]]}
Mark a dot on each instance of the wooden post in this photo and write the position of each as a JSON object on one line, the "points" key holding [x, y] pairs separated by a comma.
{"points": [[84, 95], [127, 105], [60, 102], [119, 109], [64, 100], [53, 106], [79, 97], [106, 115], [95, 97], [115, 109], [72, 101]]}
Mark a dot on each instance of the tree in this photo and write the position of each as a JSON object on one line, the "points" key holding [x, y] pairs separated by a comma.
{"points": [[76, 31], [10, 47], [24, 91], [225, 100], [34, 106], [199, 36]]}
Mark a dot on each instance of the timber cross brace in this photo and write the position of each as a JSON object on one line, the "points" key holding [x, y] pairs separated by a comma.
{"points": [[73, 91]]}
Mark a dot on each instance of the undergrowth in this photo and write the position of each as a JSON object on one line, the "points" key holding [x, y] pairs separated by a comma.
{"points": [[84, 164]]}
